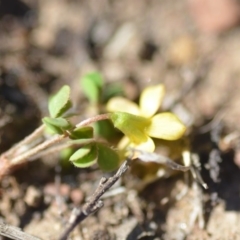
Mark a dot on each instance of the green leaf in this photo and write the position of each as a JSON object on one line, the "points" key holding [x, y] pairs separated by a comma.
{"points": [[80, 141], [91, 85], [52, 128], [57, 125], [65, 154], [133, 126], [65, 109], [58, 122], [108, 159], [105, 129], [82, 133], [85, 156], [60, 103]]}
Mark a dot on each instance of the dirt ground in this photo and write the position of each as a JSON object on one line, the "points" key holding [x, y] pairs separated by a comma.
{"points": [[46, 44]]}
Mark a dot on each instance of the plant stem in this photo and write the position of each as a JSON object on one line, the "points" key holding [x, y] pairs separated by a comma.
{"points": [[60, 147], [12, 157], [93, 120], [37, 149], [37, 132], [46, 144]]}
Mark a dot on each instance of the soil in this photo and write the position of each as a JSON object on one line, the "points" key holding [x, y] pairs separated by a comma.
{"points": [[46, 44]]}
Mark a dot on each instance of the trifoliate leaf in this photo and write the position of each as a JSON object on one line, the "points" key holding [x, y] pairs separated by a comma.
{"points": [[91, 85], [108, 159], [51, 129], [121, 104], [85, 156], [81, 133], [59, 103], [134, 127], [65, 109], [58, 122], [56, 125], [166, 126], [105, 129], [151, 99]]}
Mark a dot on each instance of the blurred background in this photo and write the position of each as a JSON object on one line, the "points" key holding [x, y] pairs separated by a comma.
{"points": [[192, 46], [44, 44]]}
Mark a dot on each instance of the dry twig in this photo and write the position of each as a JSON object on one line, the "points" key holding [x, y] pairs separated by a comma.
{"points": [[14, 232], [94, 203]]}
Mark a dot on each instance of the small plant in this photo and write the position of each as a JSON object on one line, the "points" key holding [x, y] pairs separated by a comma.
{"points": [[139, 125], [138, 128]]}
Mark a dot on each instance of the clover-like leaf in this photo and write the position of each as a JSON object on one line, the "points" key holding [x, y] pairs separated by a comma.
{"points": [[122, 104], [105, 129], [65, 109], [85, 156], [166, 126], [57, 125], [131, 125], [108, 159], [81, 133], [58, 122], [151, 99], [51, 129], [91, 84], [59, 103], [65, 154]]}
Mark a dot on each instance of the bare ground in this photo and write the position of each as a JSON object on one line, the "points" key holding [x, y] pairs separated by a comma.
{"points": [[45, 44]]}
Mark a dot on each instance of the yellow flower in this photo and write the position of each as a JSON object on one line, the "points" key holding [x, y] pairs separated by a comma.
{"points": [[139, 123]]}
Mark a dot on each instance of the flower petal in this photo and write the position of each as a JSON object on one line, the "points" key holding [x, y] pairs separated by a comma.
{"points": [[124, 143], [120, 104], [151, 99], [147, 146], [166, 126]]}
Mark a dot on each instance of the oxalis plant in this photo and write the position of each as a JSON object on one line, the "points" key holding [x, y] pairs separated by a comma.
{"points": [[140, 124]]}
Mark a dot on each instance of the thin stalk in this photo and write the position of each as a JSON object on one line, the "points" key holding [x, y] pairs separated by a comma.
{"points": [[93, 120], [30, 138], [37, 149], [59, 147]]}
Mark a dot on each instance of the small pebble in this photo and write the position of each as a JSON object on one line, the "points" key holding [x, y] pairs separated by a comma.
{"points": [[183, 50], [51, 189], [76, 196], [33, 196]]}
